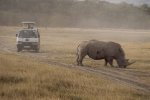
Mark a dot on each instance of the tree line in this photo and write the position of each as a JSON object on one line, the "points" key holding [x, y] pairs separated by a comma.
{"points": [[74, 13]]}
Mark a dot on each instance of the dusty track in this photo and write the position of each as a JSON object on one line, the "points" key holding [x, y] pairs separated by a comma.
{"points": [[114, 74]]}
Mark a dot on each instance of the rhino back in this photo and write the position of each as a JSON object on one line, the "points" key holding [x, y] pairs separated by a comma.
{"points": [[95, 49], [113, 49]]}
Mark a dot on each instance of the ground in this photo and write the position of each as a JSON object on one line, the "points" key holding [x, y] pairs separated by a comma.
{"points": [[58, 48]]}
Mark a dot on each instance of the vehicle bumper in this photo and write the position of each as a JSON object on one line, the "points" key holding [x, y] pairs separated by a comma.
{"points": [[27, 45]]}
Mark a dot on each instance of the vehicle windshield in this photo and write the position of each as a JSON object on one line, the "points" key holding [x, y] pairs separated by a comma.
{"points": [[27, 34]]}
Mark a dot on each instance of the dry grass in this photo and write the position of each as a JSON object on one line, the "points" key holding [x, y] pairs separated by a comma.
{"points": [[22, 78], [27, 79]]}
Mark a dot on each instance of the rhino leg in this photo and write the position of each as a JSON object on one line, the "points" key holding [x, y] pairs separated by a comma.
{"points": [[80, 58], [105, 62], [110, 61], [77, 59]]}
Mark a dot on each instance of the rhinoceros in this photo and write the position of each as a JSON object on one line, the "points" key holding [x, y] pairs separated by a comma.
{"points": [[98, 50]]}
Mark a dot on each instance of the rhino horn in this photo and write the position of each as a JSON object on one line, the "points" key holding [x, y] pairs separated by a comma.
{"points": [[130, 63], [127, 60]]}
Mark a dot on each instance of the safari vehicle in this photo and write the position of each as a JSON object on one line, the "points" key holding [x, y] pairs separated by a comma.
{"points": [[28, 37]]}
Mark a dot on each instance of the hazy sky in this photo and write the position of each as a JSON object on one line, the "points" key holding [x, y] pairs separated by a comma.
{"points": [[136, 2]]}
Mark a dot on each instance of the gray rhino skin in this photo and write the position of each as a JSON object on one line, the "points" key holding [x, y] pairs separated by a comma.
{"points": [[98, 50]]}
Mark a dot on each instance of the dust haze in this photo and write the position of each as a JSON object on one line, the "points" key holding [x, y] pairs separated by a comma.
{"points": [[75, 13], [63, 25]]}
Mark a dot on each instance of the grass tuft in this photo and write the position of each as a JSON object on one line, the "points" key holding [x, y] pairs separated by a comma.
{"points": [[11, 79]]}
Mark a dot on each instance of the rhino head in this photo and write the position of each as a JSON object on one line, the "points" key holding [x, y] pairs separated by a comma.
{"points": [[123, 63]]}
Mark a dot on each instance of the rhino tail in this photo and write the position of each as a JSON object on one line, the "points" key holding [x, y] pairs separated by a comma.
{"points": [[77, 49], [77, 55]]}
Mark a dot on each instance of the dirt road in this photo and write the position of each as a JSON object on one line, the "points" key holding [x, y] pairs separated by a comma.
{"points": [[114, 74]]}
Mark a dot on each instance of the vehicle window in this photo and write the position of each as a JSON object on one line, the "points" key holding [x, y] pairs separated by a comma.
{"points": [[27, 34]]}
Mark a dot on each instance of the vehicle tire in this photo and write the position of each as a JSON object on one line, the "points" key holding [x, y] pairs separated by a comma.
{"points": [[37, 49], [19, 49]]}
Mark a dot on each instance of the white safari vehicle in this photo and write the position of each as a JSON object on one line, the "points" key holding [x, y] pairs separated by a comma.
{"points": [[28, 37]]}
